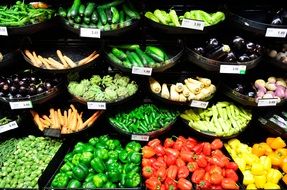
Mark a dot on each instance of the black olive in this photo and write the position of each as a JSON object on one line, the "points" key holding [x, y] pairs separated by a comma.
{"points": [[243, 58], [32, 90], [199, 50], [212, 44], [253, 56], [230, 57], [9, 81], [250, 47], [13, 90], [34, 79], [238, 43]]}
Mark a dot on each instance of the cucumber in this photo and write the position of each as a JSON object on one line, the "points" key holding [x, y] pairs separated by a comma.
{"points": [[149, 60], [157, 51], [137, 59], [107, 27], [140, 53], [78, 19], [100, 25], [131, 59], [75, 8], [127, 46], [82, 10], [119, 54], [112, 4], [116, 15], [94, 17], [62, 12], [127, 63], [122, 19], [87, 20], [131, 13], [114, 59], [89, 9], [109, 15], [103, 16]]}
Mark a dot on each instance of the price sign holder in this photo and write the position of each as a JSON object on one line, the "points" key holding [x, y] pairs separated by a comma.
{"points": [[9, 126], [199, 104], [267, 102], [233, 69], [3, 31], [90, 33], [97, 105], [21, 105], [140, 138], [276, 32], [192, 24], [50, 132], [142, 71]]}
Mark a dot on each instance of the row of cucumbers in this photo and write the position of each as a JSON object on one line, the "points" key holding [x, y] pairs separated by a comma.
{"points": [[132, 55], [110, 16]]}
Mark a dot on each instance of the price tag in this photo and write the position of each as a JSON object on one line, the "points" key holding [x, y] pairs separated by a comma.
{"points": [[199, 104], [192, 24], [96, 105], [8, 126], [3, 31], [142, 71], [50, 132], [140, 138], [21, 105], [233, 69], [90, 33], [276, 32], [267, 102]]}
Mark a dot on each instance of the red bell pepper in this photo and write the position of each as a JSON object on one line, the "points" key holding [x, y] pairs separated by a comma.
{"points": [[217, 153], [206, 150], [215, 169], [153, 183], [159, 150], [216, 178], [148, 152], [179, 162], [184, 184], [168, 142], [148, 161], [216, 144], [183, 172], [216, 161], [201, 161], [170, 184], [192, 166], [172, 171], [171, 152], [232, 165], [229, 184], [203, 184], [161, 174], [197, 175], [147, 171], [159, 163], [178, 144], [162, 187], [154, 143], [186, 156], [169, 160], [198, 148], [229, 173]]}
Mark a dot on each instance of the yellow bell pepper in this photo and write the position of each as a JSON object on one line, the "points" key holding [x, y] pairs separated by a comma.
{"points": [[266, 162], [274, 176], [260, 181], [269, 185], [234, 143], [277, 143], [248, 177], [241, 163], [257, 169], [251, 186]]}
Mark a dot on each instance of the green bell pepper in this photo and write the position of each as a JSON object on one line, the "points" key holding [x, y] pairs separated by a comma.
{"points": [[76, 159], [93, 141], [89, 185], [101, 153], [89, 177], [113, 143], [133, 146], [69, 157], [74, 184], [131, 167], [98, 165], [68, 166], [80, 171], [134, 157], [113, 154], [113, 166], [104, 138], [60, 181], [79, 147], [114, 175], [101, 145], [123, 156], [88, 148], [100, 179], [110, 185], [132, 180], [86, 158], [110, 161]]}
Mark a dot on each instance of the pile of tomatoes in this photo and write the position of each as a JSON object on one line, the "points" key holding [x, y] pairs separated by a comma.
{"points": [[183, 162]]}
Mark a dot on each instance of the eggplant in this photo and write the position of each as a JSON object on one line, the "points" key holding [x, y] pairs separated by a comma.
{"points": [[212, 44], [250, 47], [259, 49], [199, 50], [253, 56], [277, 20], [243, 58], [238, 43], [219, 52], [230, 57]]}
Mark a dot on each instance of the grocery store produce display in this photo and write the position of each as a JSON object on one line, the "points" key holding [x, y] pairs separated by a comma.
{"points": [[186, 163], [102, 162], [278, 56], [103, 89], [184, 91], [224, 119], [145, 119], [24, 159], [110, 16]]}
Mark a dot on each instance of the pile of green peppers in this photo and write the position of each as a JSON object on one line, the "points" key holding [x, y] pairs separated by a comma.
{"points": [[101, 163]]}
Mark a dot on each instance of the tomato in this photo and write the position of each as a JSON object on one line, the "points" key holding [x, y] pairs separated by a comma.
{"points": [[153, 183], [172, 171], [215, 169], [186, 156], [198, 148], [216, 178], [192, 166], [171, 152], [168, 142], [201, 161], [232, 165], [154, 143], [179, 162], [227, 183], [206, 150], [169, 160], [184, 184], [170, 184], [229, 173], [148, 152], [161, 174], [183, 172], [197, 175], [147, 171], [217, 161], [216, 144]]}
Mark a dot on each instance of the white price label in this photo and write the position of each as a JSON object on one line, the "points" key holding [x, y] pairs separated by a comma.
{"points": [[96, 105], [21, 105], [90, 32], [199, 104], [140, 138], [3, 31], [192, 24], [233, 69], [8, 126], [276, 32], [267, 102], [142, 71]]}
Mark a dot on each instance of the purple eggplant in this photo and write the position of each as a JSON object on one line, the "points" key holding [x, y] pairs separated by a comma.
{"points": [[212, 44], [230, 57], [238, 43]]}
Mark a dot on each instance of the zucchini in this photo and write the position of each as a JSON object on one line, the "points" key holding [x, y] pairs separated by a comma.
{"points": [[107, 27], [94, 17], [62, 12], [103, 16], [131, 59], [131, 13], [78, 19], [82, 10], [119, 53], [100, 25], [137, 59], [109, 15], [87, 20], [140, 53], [114, 59], [116, 15], [127, 46], [75, 8], [112, 4], [89, 9], [122, 19]]}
